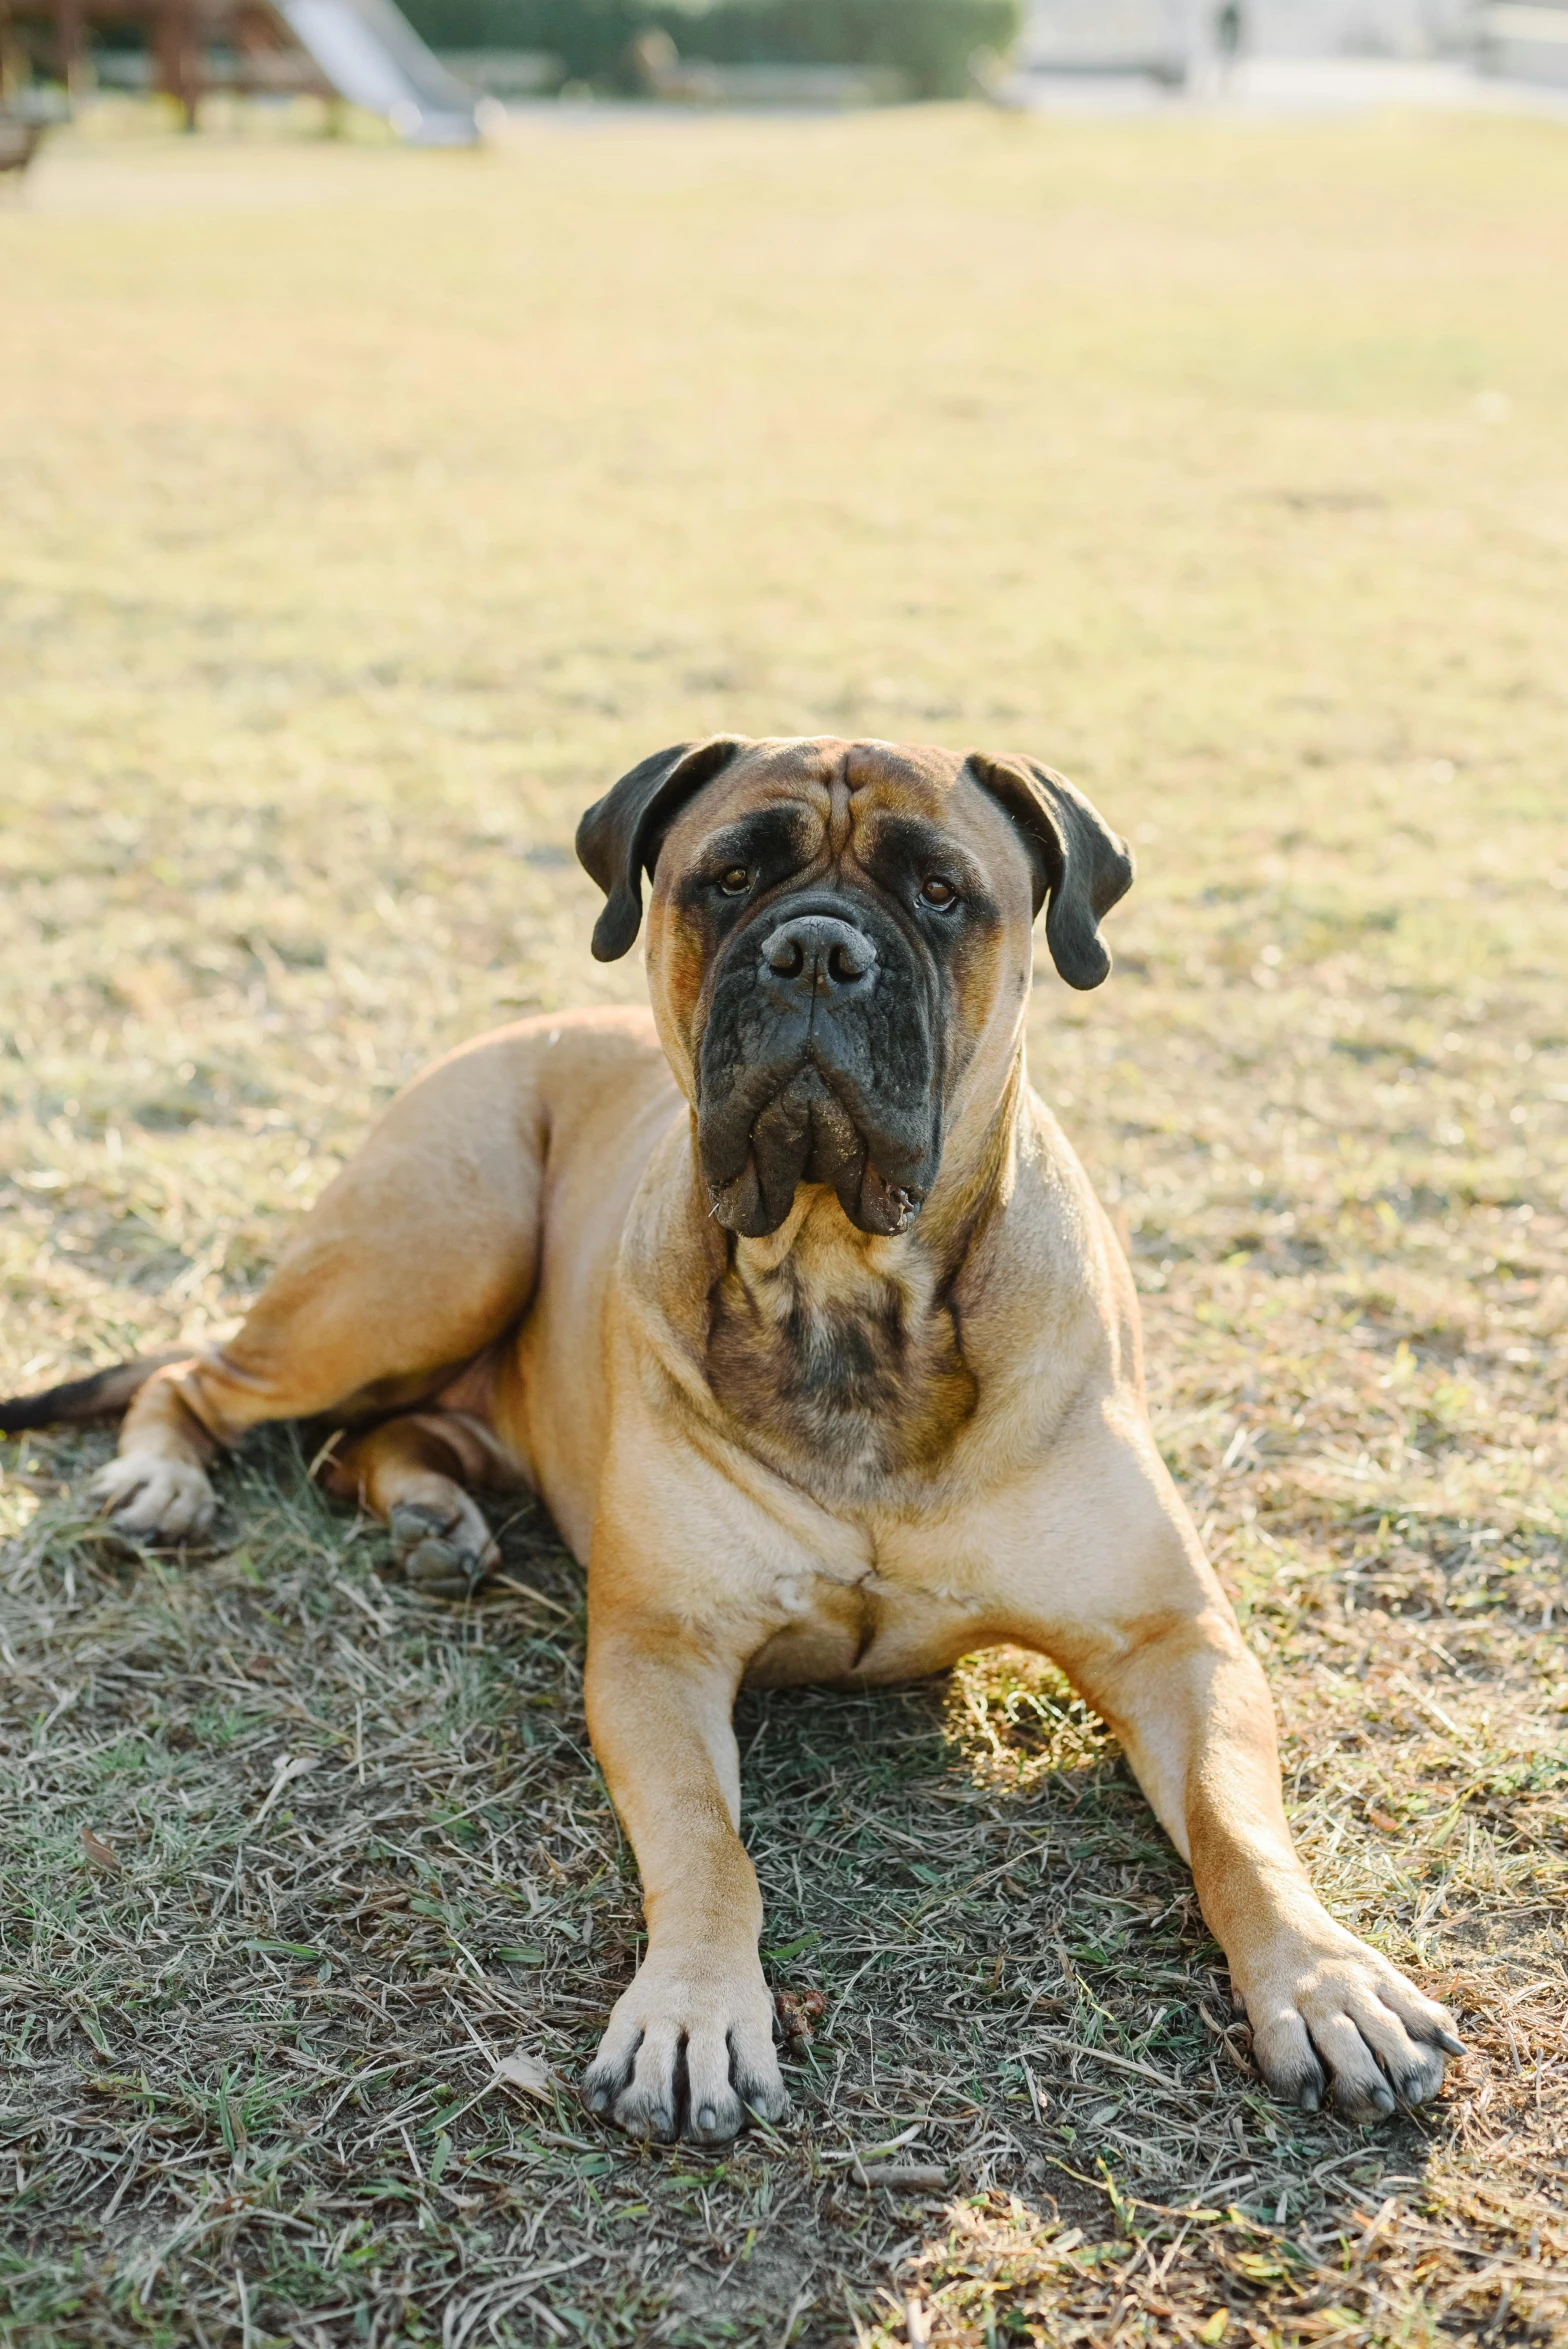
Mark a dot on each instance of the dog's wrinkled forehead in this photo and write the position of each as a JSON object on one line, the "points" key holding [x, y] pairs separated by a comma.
{"points": [[830, 799]]}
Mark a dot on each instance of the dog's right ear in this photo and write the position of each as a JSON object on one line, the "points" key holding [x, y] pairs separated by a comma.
{"points": [[618, 839], [1080, 864]]}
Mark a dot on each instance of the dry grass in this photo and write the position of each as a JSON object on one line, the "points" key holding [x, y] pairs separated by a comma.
{"points": [[363, 512]]}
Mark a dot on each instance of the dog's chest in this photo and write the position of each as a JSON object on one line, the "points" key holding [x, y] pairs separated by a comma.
{"points": [[878, 1627], [847, 1377]]}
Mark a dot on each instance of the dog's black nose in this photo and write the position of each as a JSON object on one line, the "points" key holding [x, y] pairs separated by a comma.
{"points": [[818, 955]]}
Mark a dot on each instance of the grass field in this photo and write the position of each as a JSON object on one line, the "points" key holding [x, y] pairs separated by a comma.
{"points": [[363, 514]]}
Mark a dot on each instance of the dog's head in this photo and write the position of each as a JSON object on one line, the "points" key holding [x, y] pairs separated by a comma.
{"points": [[839, 948]]}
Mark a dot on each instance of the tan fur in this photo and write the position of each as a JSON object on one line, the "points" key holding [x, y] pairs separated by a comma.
{"points": [[818, 1455]]}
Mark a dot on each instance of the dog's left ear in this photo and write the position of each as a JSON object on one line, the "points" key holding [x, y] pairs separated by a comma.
{"points": [[1079, 862], [618, 839]]}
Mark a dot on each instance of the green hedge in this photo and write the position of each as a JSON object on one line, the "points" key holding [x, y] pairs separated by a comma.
{"points": [[930, 40]]}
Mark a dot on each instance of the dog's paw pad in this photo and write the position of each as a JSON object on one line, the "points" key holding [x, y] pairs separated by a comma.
{"points": [[445, 1553]]}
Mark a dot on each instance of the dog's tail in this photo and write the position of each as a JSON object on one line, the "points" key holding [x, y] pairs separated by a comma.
{"points": [[102, 1396]]}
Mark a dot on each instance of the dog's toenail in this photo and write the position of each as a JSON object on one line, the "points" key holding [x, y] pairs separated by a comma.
{"points": [[707, 2116]]}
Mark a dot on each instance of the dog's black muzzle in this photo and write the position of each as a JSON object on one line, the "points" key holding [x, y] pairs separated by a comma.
{"points": [[820, 1063]]}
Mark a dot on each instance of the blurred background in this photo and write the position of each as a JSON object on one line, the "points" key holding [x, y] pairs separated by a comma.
{"points": [[483, 394], [439, 71]]}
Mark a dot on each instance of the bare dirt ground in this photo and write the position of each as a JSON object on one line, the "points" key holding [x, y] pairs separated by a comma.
{"points": [[363, 514]]}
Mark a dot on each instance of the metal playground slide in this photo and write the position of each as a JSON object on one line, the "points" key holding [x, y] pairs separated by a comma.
{"points": [[371, 55]]}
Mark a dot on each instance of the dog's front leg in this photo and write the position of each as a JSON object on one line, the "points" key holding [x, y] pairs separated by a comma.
{"points": [[689, 2046], [1193, 1712], [1130, 1608]]}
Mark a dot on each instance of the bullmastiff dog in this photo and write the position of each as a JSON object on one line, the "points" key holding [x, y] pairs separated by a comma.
{"points": [[795, 1308]]}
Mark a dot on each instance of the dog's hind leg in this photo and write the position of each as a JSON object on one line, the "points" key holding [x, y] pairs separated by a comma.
{"points": [[414, 1474], [416, 1259]]}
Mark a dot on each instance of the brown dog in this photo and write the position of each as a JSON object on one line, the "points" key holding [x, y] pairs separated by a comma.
{"points": [[798, 1311]]}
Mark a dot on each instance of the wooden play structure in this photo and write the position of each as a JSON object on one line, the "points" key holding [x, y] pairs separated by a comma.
{"points": [[363, 51], [18, 142], [189, 46]]}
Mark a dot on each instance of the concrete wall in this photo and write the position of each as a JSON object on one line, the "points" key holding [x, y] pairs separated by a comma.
{"points": [[1526, 43], [1084, 33], [1366, 28]]}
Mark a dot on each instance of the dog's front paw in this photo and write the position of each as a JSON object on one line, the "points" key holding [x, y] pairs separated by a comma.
{"points": [[155, 1499], [1330, 2015], [689, 2052]]}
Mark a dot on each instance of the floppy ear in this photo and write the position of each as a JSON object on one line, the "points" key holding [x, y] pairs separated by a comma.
{"points": [[618, 839], [1078, 860]]}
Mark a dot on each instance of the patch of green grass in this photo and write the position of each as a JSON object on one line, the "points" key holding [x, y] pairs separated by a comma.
{"points": [[366, 512]]}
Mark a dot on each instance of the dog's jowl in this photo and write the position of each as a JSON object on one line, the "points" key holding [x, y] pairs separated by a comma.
{"points": [[797, 1310]]}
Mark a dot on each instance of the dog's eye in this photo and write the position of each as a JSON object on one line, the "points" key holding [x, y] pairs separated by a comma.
{"points": [[735, 882], [935, 891]]}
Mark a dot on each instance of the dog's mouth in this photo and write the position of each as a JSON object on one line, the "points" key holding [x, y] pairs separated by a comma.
{"points": [[821, 1063], [806, 1131]]}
